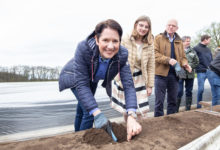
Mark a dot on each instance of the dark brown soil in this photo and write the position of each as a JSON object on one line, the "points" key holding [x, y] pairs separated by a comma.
{"points": [[162, 133], [100, 137]]}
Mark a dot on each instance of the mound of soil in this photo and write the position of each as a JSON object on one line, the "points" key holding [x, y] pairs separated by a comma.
{"points": [[99, 137], [169, 132]]}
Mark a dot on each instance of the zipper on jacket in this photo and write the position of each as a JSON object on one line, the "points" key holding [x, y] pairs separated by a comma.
{"points": [[109, 69], [119, 69], [92, 68]]}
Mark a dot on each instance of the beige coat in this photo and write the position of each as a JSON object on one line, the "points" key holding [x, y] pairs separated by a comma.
{"points": [[162, 49], [147, 59]]}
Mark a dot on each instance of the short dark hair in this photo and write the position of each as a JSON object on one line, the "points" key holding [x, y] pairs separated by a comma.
{"points": [[110, 23], [185, 37], [205, 37]]}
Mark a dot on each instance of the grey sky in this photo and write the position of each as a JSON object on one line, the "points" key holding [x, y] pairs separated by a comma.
{"points": [[46, 32]]}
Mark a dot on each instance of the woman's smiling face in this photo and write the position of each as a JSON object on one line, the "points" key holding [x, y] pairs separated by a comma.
{"points": [[108, 43]]}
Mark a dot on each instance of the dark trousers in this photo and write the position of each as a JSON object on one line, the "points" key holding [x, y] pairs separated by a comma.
{"points": [[188, 88], [167, 84], [83, 119]]}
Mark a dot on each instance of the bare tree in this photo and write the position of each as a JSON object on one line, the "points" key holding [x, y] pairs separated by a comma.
{"points": [[28, 73]]}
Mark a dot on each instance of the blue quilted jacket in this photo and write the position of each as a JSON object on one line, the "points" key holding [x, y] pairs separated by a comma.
{"points": [[79, 72]]}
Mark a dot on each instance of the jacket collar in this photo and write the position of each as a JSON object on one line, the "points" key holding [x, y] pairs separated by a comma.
{"points": [[189, 50], [202, 45], [91, 40], [133, 41], [177, 37]]}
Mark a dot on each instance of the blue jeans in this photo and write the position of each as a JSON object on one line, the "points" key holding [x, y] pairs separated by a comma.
{"points": [[167, 84], [201, 77], [188, 88], [215, 87], [83, 120]]}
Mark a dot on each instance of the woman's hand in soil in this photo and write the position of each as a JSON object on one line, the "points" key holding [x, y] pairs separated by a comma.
{"points": [[101, 121], [133, 127]]}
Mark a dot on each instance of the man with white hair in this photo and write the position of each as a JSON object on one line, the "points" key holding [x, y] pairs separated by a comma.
{"points": [[169, 56]]}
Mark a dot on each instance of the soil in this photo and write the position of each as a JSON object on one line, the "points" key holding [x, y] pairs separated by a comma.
{"points": [[168, 132]]}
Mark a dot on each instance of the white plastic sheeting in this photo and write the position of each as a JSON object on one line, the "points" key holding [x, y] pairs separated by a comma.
{"points": [[209, 141]]}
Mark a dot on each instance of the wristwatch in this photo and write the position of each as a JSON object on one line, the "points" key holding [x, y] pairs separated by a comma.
{"points": [[133, 114]]}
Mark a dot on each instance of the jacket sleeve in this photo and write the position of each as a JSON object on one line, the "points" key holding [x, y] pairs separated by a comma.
{"points": [[159, 57], [82, 78], [151, 68], [128, 85], [184, 60]]}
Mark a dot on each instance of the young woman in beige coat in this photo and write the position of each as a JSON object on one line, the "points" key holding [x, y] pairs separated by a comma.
{"points": [[142, 64]]}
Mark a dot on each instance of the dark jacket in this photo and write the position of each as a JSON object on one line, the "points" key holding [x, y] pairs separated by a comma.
{"points": [[215, 64], [79, 72], [205, 57]]}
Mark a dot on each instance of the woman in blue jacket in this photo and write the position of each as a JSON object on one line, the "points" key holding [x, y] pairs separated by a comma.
{"points": [[99, 57]]}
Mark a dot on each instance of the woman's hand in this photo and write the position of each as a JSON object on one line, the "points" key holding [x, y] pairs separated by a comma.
{"points": [[133, 127], [149, 91]]}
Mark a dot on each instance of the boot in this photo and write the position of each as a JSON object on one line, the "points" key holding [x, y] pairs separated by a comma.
{"points": [[188, 103], [178, 104]]}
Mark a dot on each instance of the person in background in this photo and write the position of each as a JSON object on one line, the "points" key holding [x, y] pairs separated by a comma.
{"points": [[142, 65], [193, 61], [217, 50], [169, 56], [205, 58], [214, 78], [100, 57]]}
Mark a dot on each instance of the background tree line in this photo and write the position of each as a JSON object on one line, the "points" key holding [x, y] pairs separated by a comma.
{"points": [[29, 73]]}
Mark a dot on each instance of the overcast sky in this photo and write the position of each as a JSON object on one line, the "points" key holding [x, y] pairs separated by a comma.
{"points": [[46, 32]]}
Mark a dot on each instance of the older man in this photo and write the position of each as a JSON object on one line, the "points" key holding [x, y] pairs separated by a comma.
{"points": [[169, 54]]}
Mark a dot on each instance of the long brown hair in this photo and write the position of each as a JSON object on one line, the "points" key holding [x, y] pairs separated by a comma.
{"points": [[148, 38]]}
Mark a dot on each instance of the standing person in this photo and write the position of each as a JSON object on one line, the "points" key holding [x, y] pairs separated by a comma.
{"points": [[142, 65], [193, 61], [99, 57], [169, 55], [205, 58], [214, 78]]}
